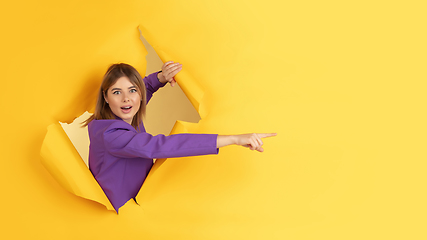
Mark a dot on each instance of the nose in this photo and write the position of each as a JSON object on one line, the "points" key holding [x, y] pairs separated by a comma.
{"points": [[125, 97]]}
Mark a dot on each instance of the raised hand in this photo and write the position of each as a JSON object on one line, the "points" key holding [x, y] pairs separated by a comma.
{"points": [[169, 70]]}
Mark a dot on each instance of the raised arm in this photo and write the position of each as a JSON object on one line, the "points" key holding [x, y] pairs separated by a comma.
{"points": [[159, 79], [152, 84]]}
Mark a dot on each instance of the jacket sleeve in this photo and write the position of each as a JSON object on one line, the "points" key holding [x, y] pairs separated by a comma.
{"points": [[152, 84], [127, 143]]}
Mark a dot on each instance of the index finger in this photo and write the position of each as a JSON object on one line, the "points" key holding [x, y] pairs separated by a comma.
{"points": [[266, 135]]}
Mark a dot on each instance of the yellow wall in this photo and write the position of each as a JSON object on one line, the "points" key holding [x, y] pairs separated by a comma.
{"points": [[343, 84]]}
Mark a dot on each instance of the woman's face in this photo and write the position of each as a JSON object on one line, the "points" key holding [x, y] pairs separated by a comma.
{"points": [[123, 99]]}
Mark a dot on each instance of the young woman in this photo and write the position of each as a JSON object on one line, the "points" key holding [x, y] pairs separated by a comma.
{"points": [[121, 152]]}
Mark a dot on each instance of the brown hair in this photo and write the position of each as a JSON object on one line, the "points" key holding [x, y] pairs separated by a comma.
{"points": [[114, 72]]}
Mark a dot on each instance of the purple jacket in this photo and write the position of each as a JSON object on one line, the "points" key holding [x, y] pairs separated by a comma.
{"points": [[120, 157]]}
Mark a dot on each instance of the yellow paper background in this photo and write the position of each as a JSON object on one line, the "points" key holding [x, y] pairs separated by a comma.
{"points": [[343, 83]]}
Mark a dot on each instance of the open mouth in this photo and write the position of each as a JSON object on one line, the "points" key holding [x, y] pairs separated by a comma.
{"points": [[126, 109]]}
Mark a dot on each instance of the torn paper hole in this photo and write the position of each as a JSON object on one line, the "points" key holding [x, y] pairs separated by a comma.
{"points": [[79, 136], [65, 150]]}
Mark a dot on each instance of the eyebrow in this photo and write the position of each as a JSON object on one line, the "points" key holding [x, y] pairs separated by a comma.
{"points": [[114, 89]]}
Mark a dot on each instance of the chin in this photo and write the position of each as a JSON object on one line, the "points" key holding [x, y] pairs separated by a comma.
{"points": [[127, 119]]}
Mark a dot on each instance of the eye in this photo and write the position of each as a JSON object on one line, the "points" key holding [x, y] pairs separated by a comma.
{"points": [[116, 92], [133, 90]]}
